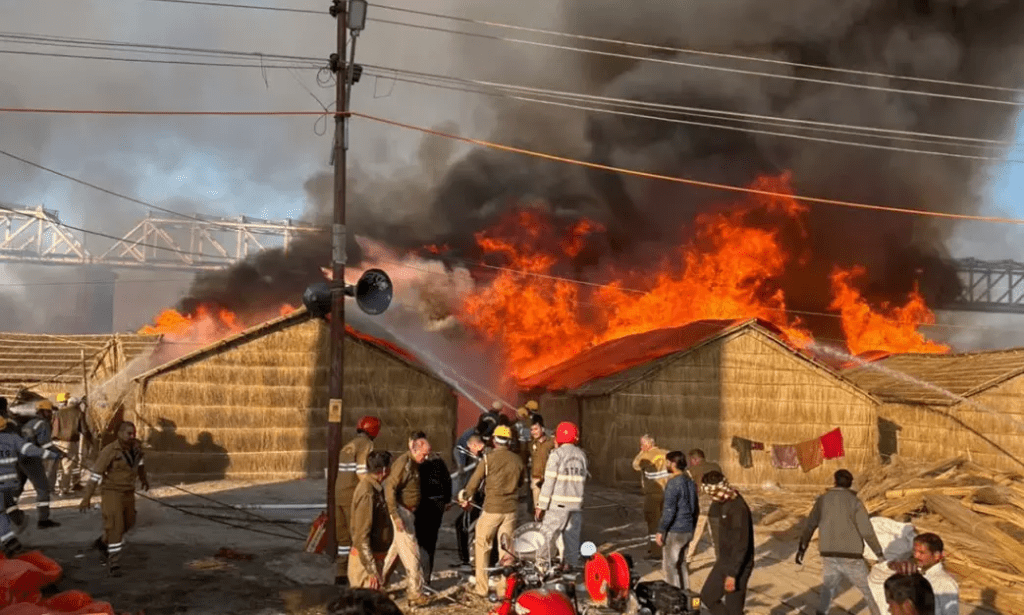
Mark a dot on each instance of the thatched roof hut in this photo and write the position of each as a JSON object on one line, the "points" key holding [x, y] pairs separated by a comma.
{"points": [[51, 364], [254, 405], [940, 406], [701, 385]]}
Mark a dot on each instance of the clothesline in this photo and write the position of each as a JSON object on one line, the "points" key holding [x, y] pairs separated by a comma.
{"points": [[806, 455]]}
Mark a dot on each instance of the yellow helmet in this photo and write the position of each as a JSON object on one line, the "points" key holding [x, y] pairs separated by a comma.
{"points": [[62, 397], [503, 431], [522, 412], [44, 404], [532, 406]]}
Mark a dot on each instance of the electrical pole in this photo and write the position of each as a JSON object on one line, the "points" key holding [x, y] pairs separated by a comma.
{"points": [[336, 386]]}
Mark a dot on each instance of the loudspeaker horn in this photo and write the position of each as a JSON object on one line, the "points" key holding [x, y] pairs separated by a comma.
{"points": [[373, 293]]}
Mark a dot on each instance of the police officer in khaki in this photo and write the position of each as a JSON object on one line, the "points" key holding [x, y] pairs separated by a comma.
{"points": [[351, 467], [505, 473], [372, 531], [650, 462], [402, 492], [540, 448], [117, 466]]}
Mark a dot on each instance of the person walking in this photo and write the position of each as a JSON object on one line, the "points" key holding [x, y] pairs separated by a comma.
{"points": [[844, 528], [697, 467], [351, 468], [725, 589], [678, 520], [505, 473], [435, 499], [371, 529], [402, 491], [117, 466], [560, 506], [654, 474], [12, 448], [39, 431]]}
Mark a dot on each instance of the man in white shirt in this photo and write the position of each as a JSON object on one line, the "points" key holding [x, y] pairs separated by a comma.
{"points": [[928, 553]]}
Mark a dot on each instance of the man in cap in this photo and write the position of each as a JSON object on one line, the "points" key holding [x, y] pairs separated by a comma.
{"points": [[654, 475], [505, 473], [351, 467], [72, 431], [540, 449], [560, 505], [37, 430], [372, 531], [734, 546]]}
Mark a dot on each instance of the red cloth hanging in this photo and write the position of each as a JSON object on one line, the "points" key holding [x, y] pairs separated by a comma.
{"points": [[832, 444]]}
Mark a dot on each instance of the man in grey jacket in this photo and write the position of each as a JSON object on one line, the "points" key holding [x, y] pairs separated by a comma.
{"points": [[844, 528], [560, 506]]}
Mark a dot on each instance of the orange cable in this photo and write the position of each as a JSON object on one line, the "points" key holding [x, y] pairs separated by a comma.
{"points": [[683, 180]]}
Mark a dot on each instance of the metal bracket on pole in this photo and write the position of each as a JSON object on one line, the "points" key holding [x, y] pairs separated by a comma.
{"points": [[340, 253]]}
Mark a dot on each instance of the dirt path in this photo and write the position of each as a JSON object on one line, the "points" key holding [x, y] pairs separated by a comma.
{"points": [[169, 564]]}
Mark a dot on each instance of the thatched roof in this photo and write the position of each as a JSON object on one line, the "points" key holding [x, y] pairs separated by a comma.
{"points": [[613, 365], [41, 361], [930, 378], [283, 322]]}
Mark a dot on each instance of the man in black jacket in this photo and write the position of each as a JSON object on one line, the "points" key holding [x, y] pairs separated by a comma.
{"points": [[734, 545], [435, 499]]}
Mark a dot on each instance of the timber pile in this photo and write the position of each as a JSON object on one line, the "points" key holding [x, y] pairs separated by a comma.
{"points": [[978, 513]]}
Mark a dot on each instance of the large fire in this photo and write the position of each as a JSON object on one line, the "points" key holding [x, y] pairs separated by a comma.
{"points": [[537, 316]]}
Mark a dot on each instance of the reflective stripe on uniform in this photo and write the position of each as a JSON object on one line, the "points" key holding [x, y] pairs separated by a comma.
{"points": [[114, 548], [25, 447], [42, 504], [7, 477], [7, 536], [344, 550], [657, 475], [567, 499]]}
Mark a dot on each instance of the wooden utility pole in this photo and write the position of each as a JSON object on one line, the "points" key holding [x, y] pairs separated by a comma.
{"points": [[336, 387]]}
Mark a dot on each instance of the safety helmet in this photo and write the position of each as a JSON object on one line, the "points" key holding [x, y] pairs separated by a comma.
{"points": [[566, 433], [369, 424], [63, 397], [532, 406], [522, 412], [44, 404], [503, 431], [497, 406]]}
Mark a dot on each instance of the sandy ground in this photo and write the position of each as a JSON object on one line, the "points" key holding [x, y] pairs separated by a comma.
{"points": [[169, 564]]}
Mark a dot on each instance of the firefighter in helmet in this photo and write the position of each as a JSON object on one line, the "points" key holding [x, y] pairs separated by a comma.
{"points": [[351, 467]]}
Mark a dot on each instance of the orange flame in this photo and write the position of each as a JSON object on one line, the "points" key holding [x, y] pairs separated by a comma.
{"points": [[891, 328], [208, 324]]}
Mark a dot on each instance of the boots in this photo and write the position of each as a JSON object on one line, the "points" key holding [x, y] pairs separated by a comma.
{"points": [[12, 548], [44, 524]]}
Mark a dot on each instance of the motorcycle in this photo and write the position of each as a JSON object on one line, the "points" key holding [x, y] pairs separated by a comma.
{"points": [[533, 584]]}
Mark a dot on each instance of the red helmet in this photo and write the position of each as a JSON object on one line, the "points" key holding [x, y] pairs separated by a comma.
{"points": [[369, 424], [544, 602], [566, 433]]}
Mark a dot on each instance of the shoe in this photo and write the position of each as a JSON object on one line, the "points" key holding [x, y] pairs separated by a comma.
{"points": [[18, 517], [13, 547], [465, 567], [46, 524], [115, 571], [101, 546]]}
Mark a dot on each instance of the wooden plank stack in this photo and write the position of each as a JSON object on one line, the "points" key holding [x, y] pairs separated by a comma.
{"points": [[978, 513]]}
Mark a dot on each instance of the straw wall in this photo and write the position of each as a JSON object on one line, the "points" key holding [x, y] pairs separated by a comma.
{"points": [[745, 385], [987, 430], [558, 408], [259, 409]]}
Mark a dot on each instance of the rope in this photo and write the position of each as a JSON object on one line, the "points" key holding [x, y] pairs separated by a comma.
{"points": [[229, 507], [211, 519]]}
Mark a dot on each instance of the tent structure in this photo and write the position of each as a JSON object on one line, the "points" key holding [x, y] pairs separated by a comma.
{"points": [[254, 405], [940, 406], [701, 386]]}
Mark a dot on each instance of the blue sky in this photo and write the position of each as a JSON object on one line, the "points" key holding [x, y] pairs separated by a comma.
{"points": [[1007, 185]]}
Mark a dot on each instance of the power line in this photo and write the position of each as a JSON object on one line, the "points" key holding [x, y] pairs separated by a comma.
{"points": [[665, 61], [698, 52], [243, 6], [149, 61], [682, 180], [39, 110], [729, 127]]}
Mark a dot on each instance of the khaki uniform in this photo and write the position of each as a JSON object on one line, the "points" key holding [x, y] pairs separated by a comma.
{"points": [[372, 532], [505, 472], [539, 452], [117, 467], [351, 466], [402, 492], [653, 477], [73, 432]]}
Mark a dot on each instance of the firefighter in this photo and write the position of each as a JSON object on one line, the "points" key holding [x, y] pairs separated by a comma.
{"points": [[72, 430], [371, 525], [12, 448], [402, 491], [560, 506], [117, 466], [654, 475], [540, 448], [505, 473], [525, 415], [351, 467], [37, 430], [466, 521]]}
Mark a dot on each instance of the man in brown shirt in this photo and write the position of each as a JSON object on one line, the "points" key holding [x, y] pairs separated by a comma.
{"points": [[402, 492], [540, 447], [697, 467], [118, 464], [351, 467], [650, 462], [371, 528], [505, 472]]}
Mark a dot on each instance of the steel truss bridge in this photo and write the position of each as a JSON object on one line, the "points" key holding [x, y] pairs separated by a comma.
{"points": [[37, 236], [197, 243]]}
